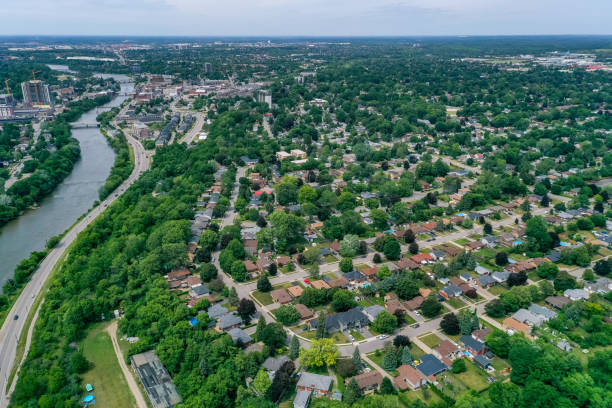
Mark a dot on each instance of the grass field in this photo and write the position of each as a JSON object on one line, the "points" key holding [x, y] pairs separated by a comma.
{"points": [[431, 340], [456, 303], [263, 297], [496, 290], [330, 259], [110, 387]]}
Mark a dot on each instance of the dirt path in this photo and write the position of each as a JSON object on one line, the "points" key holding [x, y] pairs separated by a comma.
{"points": [[140, 399]]}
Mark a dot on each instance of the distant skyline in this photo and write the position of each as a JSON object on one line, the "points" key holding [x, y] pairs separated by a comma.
{"points": [[305, 17]]}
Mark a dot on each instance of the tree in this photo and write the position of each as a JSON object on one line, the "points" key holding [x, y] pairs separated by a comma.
{"points": [[390, 360], [603, 267], [498, 342], [322, 352], [546, 288], [431, 307], [346, 367], [349, 246], [413, 248], [263, 284], [386, 387], [294, 347], [450, 324], [209, 239], [377, 258], [287, 190], [407, 288], [385, 322], [274, 336], [312, 255], [380, 219], [588, 275], [409, 236], [488, 229], [352, 394], [392, 249], [458, 366], [272, 269], [239, 271], [246, 309], [232, 297], [287, 315], [321, 326], [467, 223], [495, 308], [383, 272], [517, 279], [401, 341], [261, 325], [261, 221], [357, 357], [564, 281], [346, 265], [262, 382], [406, 357], [468, 321], [287, 228], [538, 238], [343, 300], [547, 270], [307, 194], [207, 272], [545, 201]]}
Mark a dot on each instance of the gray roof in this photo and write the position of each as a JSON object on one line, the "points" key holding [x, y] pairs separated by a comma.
{"points": [[482, 361], [373, 311], [339, 320], [302, 398], [155, 379], [601, 285], [542, 311], [216, 311], [315, 381], [472, 343], [430, 365], [229, 320], [486, 280], [452, 290], [525, 316], [200, 290], [238, 334], [576, 294], [481, 270], [501, 276], [274, 364], [354, 276]]}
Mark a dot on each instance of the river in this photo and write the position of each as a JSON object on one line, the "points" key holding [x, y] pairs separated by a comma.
{"points": [[73, 197]]}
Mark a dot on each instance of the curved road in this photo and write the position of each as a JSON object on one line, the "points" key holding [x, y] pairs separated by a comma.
{"points": [[12, 329]]}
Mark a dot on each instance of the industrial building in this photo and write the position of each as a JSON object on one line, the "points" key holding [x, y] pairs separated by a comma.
{"points": [[156, 380], [36, 94]]}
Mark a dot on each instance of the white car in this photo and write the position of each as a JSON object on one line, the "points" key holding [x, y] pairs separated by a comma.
{"points": [[383, 336]]}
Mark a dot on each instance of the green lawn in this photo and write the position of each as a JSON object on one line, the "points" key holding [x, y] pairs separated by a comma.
{"points": [[474, 378], [456, 303], [330, 259], [110, 387], [462, 242], [431, 340], [357, 335], [497, 290], [263, 297]]}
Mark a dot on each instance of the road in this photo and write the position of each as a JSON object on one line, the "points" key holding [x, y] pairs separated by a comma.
{"points": [[129, 377], [195, 129], [12, 329]]}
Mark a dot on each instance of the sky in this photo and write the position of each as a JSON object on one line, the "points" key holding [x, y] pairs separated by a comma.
{"points": [[304, 17]]}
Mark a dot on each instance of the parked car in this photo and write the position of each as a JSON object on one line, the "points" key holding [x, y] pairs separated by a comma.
{"points": [[16, 317]]}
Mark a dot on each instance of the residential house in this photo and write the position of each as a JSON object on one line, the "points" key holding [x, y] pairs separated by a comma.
{"points": [[251, 268], [320, 284], [239, 336], [474, 245], [558, 302], [602, 285], [481, 334], [414, 303], [473, 346], [465, 277], [438, 254], [513, 326], [351, 319], [370, 273], [563, 345], [319, 385], [447, 350], [409, 377], [407, 264], [483, 362], [199, 291], [373, 311], [490, 241], [250, 246], [273, 364], [576, 294], [500, 277], [216, 311], [368, 382], [355, 277], [341, 282], [451, 291], [485, 281], [393, 305], [178, 275], [281, 296], [430, 366], [538, 310], [295, 291], [305, 312], [302, 399], [228, 322]]}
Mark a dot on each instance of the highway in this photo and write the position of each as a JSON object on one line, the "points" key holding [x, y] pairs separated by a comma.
{"points": [[14, 327]]}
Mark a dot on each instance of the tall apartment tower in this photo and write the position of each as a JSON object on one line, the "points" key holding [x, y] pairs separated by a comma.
{"points": [[36, 93], [207, 68], [265, 97]]}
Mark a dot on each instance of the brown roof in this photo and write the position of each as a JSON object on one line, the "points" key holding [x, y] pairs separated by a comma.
{"points": [[295, 291], [281, 296], [305, 312], [250, 243], [409, 373], [475, 245], [451, 250], [481, 334], [283, 260], [414, 303], [367, 380], [393, 305], [338, 283], [250, 266], [510, 323], [178, 274], [335, 246], [424, 292], [320, 284], [193, 280], [422, 257], [558, 301], [446, 348], [407, 263], [370, 272]]}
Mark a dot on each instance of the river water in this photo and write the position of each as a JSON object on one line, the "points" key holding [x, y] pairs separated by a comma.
{"points": [[73, 197]]}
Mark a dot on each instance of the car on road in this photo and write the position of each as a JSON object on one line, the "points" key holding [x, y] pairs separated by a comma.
{"points": [[383, 336], [16, 317], [416, 326]]}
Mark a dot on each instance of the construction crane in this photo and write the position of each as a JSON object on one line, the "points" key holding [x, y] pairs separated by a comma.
{"points": [[36, 86]]}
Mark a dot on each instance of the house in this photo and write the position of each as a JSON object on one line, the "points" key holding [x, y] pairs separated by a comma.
{"points": [[409, 377], [538, 310], [393, 306], [178, 275], [481, 270], [373, 311], [282, 261], [355, 277], [554, 256], [500, 277], [341, 282], [512, 326], [199, 291], [447, 350], [281, 296], [474, 245], [250, 246], [239, 336], [528, 318], [250, 266], [490, 241], [451, 291], [576, 294], [558, 302], [485, 281], [351, 319], [368, 382], [431, 366], [473, 346], [438, 254], [483, 362], [228, 322], [295, 291], [319, 385], [370, 273], [564, 346], [422, 258], [320, 284], [302, 399], [451, 250], [305, 312], [466, 277], [216, 311], [407, 264], [273, 364], [481, 334], [601, 285], [335, 246], [193, 280], [414, 303]]}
